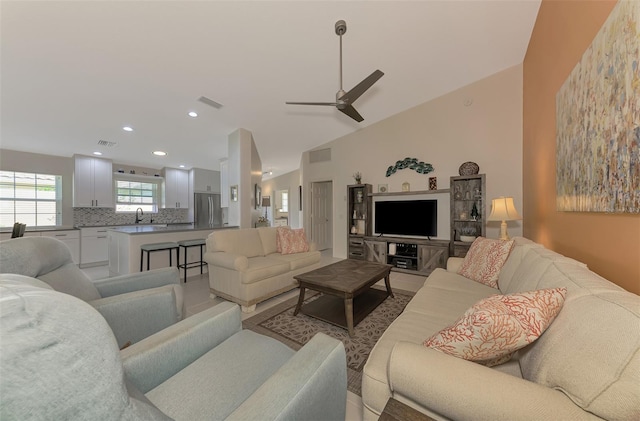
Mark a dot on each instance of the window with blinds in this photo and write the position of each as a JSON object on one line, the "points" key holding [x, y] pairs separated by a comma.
{"points": [[30, 198], [134, 194]]}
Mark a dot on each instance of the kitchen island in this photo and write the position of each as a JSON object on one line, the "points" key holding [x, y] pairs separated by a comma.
{"points": [[125, 242]]}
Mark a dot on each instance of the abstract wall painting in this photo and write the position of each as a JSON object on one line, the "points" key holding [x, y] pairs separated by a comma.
{"points": [[598, 121]]}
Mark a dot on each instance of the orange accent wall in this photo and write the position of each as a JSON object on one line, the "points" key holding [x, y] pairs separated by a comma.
{"points": [[608, 243]]}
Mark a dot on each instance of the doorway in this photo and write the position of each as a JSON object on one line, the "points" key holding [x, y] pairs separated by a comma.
{"points": [[322, 214]]}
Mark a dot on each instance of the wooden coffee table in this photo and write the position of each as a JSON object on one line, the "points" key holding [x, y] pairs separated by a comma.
{"points": [[348, 297]]}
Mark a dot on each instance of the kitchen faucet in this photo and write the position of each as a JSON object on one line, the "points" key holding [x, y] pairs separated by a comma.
{"points": [[138, 218]]}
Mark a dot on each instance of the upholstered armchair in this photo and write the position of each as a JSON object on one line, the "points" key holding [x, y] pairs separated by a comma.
{"points": [[135, 306], [59, 360]]}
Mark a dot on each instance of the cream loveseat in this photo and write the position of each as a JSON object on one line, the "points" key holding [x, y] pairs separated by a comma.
{"points": [[246, 268], [586, 365]]}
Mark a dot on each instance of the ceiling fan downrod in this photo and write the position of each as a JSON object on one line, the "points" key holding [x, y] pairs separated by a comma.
{"points": [[341, 28]]}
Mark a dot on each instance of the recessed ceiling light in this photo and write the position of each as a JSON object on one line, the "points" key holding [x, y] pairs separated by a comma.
{"points": [[127, 129], [159, 153], [97, 153], [181, 166], [193, 114]]}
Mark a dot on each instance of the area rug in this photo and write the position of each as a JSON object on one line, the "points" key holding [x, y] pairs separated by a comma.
{"points": [[279, 323]]}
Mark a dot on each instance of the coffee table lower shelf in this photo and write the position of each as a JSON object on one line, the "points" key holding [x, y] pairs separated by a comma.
{"points": [[330, 309]]}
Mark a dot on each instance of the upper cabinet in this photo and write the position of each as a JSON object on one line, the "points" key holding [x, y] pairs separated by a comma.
{"points": [[205, 181], [176, 188], [92, 182], [224, 183]]}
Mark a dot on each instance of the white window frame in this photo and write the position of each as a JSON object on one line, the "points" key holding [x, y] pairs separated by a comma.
{"points": [[18, 216], [285, 202], [130, 207]]}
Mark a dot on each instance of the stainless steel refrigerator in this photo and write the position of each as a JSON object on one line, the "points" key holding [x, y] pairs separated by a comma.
{"points": [[207, 210]]}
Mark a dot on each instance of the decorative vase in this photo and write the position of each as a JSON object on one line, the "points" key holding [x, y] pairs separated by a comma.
{"points": [[469, 168], [354, 230]]}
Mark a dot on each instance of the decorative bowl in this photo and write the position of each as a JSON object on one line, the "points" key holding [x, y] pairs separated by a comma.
{"points": [[467, 238], [469, 168]]}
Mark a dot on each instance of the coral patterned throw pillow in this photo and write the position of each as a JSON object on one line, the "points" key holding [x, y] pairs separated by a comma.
{"points": [[294, 241], [494, 328], [280, 234], [485, 259]]}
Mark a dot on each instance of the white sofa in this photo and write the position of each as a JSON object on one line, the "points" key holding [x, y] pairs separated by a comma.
{"points": [[245, 267], [586, 365]]}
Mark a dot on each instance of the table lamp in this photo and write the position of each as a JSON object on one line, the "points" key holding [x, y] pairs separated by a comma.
{"points": [[503, 209], [266, 202]]}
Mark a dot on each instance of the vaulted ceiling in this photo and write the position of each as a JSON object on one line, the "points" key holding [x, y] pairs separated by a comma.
{"points": [[76, 72]]}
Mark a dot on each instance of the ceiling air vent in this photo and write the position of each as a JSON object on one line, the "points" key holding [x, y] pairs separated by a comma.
{"points": [[321, 155], [107, 143], [210, 102]]}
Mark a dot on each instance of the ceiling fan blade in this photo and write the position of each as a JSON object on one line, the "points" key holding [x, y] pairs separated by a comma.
{"points": [[312, 103], [351, 112], [361, 87]]}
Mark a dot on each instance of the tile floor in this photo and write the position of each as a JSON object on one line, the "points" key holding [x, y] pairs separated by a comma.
{"points": [[196, 296]]}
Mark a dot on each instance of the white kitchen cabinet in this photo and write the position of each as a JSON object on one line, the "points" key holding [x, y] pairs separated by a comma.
{"points": [[92, 182], [205, 181], [176, 188], [94, 249], [224, 184], [70, 237]]}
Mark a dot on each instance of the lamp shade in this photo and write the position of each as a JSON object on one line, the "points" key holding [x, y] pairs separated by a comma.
{"points": [[266, 201], [503, 209]]}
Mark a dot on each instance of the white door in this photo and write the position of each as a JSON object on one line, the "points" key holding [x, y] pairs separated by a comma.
{"points": [[321, 214]]}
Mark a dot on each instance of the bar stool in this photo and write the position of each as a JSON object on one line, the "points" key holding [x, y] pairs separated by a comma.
{"points": [[152, 247], [188, 265]]}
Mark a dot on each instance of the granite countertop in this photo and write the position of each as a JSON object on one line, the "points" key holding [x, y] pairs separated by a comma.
{"points": [[145, 224], [156, 229], [40, 229]]}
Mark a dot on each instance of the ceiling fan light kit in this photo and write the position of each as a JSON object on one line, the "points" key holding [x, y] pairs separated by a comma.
{"points": [[345, 99]]}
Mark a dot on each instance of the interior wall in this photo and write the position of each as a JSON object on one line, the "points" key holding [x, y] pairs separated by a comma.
{"points": [[481, 122], [245, 171], [608, 243]]}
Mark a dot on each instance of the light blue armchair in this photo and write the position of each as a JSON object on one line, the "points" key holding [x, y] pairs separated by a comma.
{"points": [[135, 306], [59, 360]]}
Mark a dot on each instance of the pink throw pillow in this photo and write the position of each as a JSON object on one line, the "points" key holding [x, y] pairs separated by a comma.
{"points": [[484, 260], [280, 233], [495, 327], [294, 241]]}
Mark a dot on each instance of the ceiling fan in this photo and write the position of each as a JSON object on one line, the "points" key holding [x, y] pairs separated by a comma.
{"points": [[345, 99]]}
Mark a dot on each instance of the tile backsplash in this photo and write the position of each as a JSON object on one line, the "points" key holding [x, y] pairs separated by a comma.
{"points": [[108, 216]]}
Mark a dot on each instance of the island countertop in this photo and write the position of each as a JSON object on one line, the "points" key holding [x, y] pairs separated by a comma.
{"points": [[160, 229]]}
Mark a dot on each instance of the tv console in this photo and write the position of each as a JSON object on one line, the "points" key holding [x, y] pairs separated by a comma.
{"points": [[408, 255]]}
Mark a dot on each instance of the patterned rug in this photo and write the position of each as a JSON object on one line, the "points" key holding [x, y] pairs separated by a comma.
{"points": [[279, 323]]}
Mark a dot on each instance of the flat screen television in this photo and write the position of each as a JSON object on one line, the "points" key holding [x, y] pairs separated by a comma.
{"points": [[407, 217]]}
